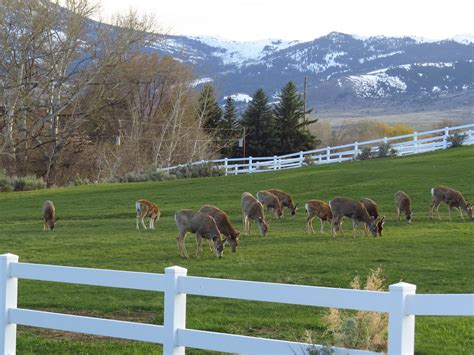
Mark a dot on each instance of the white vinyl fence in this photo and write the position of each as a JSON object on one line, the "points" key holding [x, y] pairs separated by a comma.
{"points": [[414, 143], [401, 303]]}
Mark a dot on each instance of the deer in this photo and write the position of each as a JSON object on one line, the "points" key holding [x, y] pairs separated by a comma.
{"points": [[49, 216], [203, 225], [345, 207], [373, 211], [285, 200], [252, 210], [452, 198], [270, 201], [223, 223], [144, 209], [320, 209], [403, 204]]}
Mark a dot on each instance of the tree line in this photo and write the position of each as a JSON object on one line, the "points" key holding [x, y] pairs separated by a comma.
{"points": [[80, 98], [263, 129]]}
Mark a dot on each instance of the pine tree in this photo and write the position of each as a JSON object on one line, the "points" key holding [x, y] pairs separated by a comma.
{"points": [[229, 128], [291, 129], [259, 121], [209, 111]]}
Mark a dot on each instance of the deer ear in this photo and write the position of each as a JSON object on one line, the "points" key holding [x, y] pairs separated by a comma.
{"points": [[382, 221], [296, 205]]}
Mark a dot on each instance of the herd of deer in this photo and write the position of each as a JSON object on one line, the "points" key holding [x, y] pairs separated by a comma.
{"points": [[210, 222]]}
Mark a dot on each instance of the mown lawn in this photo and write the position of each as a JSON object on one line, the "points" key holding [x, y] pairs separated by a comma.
{"points": [[97, 229]]}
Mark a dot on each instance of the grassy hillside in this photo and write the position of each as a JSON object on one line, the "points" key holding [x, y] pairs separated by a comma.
{"points": [[97, 229]]}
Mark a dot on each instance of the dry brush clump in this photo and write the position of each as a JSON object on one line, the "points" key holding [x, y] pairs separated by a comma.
{"points": [[362, 329]]}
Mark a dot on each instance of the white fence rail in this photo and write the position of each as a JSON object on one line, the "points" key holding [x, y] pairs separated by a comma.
{"points": [[401, 303], [417, 142]]}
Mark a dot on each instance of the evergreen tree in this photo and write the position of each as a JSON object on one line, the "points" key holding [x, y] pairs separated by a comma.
{"points": [[291, 129], [259, 121], [229, 128], [209, 111]]}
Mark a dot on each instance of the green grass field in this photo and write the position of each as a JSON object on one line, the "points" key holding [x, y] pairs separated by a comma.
{"points": [[97, 229]]}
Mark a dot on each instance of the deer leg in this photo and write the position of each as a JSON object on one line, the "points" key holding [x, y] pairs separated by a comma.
{"points": [[150, 223], [322, 226], [398, 215], [143, 223], [437, 211], [335, 222], [460, 213], [198, 244], [210, 244], [138, 227]]}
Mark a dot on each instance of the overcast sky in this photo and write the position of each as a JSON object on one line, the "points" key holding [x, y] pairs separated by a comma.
{"points": [[249, 20]]}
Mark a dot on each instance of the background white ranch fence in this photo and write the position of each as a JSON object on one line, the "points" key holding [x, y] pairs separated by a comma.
{"points": [[401, 303], [414, 143]]}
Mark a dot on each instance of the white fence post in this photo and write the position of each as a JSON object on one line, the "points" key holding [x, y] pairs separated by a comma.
{"points": [[175, 311], [415, 141], [401, 326], [225, 166], [356, 150], [301, 159], [275, 166], [445, 137], [250, 165], [8, 300], [328, 152]]}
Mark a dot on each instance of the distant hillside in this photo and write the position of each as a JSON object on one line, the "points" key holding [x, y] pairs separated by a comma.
{"points": [[341, 69]]}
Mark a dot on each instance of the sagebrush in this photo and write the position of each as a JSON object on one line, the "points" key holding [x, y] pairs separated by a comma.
{"points": [[360, 330]]}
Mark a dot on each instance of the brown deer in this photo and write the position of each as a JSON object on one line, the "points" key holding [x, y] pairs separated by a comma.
{"points": [[252, 210], [223, 223], [203, 225], [270, 201], [285, 200], [403, 204], [320, 209], [144, 209], [373, 210], [452, 198], [345, 207], [49, 215]]}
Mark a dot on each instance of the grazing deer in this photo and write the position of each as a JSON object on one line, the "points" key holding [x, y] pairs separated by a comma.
{"points": [[270, 201], [49, 215], [203, 225], [345, 207], [320, 209], [373, 210], [223, 223], [452, 198], [403, 204], [252, 210], [285, 200], [144, 209]]}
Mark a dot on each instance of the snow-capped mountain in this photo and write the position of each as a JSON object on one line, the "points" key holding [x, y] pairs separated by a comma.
{"points": [[340, 68]]}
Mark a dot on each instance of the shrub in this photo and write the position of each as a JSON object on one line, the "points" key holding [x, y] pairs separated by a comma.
{"points": [[308, 160], [362, 329], [5, 183], [386, 150], [183, 172], [28, 183], [457, 140], [366, 153]]}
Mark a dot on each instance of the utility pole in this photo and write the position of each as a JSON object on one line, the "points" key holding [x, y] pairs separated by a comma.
{"points": [[304, 99]]}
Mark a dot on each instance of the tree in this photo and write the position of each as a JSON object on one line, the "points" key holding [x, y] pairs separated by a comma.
{"points": [[259, 121], [290, 125], [229, 128], [209, 112]]}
